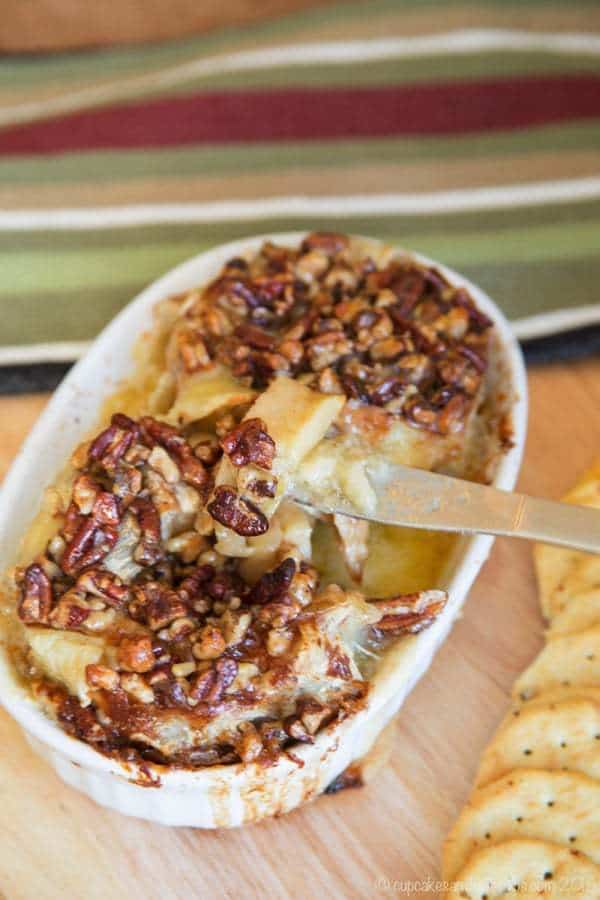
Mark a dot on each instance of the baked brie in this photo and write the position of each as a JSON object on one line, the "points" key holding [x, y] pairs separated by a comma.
{"points": [[181, 609]]}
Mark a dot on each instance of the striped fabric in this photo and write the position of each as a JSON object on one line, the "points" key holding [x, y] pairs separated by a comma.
{"points": [[468, 132]]}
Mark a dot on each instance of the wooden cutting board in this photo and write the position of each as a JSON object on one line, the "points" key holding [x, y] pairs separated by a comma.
{"points": [[369, 842]]}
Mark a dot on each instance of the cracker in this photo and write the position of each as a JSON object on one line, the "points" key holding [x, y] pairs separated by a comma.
{"points": [[581, 612], [527, 869], [554, 564], [551, 698], [555, 736], [583, 576], [564, 662], [561, 807]]}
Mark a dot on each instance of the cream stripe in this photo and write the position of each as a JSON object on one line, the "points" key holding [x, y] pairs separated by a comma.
{"points": [[463, 41], [528, 194], [57, 351], [556, 321]]}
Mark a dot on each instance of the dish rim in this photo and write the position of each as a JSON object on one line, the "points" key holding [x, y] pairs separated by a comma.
{"points": [[14, 695]]}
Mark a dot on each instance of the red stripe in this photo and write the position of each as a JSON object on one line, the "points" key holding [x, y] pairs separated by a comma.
{"points": [[321, 113]]}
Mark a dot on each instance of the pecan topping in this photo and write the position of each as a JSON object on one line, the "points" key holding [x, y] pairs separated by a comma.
{"points": [[149, 550], [36, 600], [261, 487], [211, 643], [272, 586], [135, 654], [236, 513], [105, 585], [210, 686], [329, 242], [156, 605], [249, 444], [409, 613], [192, 470], [112, 443], [320, 314], [90, 544], [101, 677]]}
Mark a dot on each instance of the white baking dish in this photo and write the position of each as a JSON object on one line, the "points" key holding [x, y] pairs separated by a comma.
{"points": [[230, 795]]}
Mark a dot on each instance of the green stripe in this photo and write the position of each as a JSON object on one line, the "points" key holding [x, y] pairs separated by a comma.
{"points": [[526, 289], [52, 291], [440, 67], [520, 289], [78, 68], [214, 159], [69, 269]]}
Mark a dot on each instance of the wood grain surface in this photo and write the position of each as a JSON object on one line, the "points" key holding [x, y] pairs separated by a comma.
{"points": [[366, 842]]}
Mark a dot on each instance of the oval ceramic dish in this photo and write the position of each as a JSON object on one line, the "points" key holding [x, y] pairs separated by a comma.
{"points": [[221, 796]]}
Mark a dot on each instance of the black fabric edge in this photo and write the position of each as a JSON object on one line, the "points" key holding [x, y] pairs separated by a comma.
{"points": [[566, 346]]}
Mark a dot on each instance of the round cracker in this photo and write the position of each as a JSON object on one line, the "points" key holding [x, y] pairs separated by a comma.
{"points": [[527, 869], [554, 564], [582, 611], [561, 807], [564, 662], [563, 735], [548, 698], [583, 576]]}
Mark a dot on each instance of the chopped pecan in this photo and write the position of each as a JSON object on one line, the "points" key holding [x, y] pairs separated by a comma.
{"points": [[473, 356], [36, 600], [250, 444], [128, 483], [339, 665], [192, 584], [408, 286], [209, 686], [279, 614], [329, 242], [254, 337], [103, 584], [408, 613], [234, 625], [479, 321], [149, 550], [101, 677], [156, 605], [88, 546], [210, 644], [106, 510], [249, 745], [193, 351], [135, 654], [80, 722], [297, 730], [262, 487], [327, 349], [192, 470], [451, 419], [85, 491], [272, 586], [70, 612], [112, 443], [236, 513], [313, 714]]}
